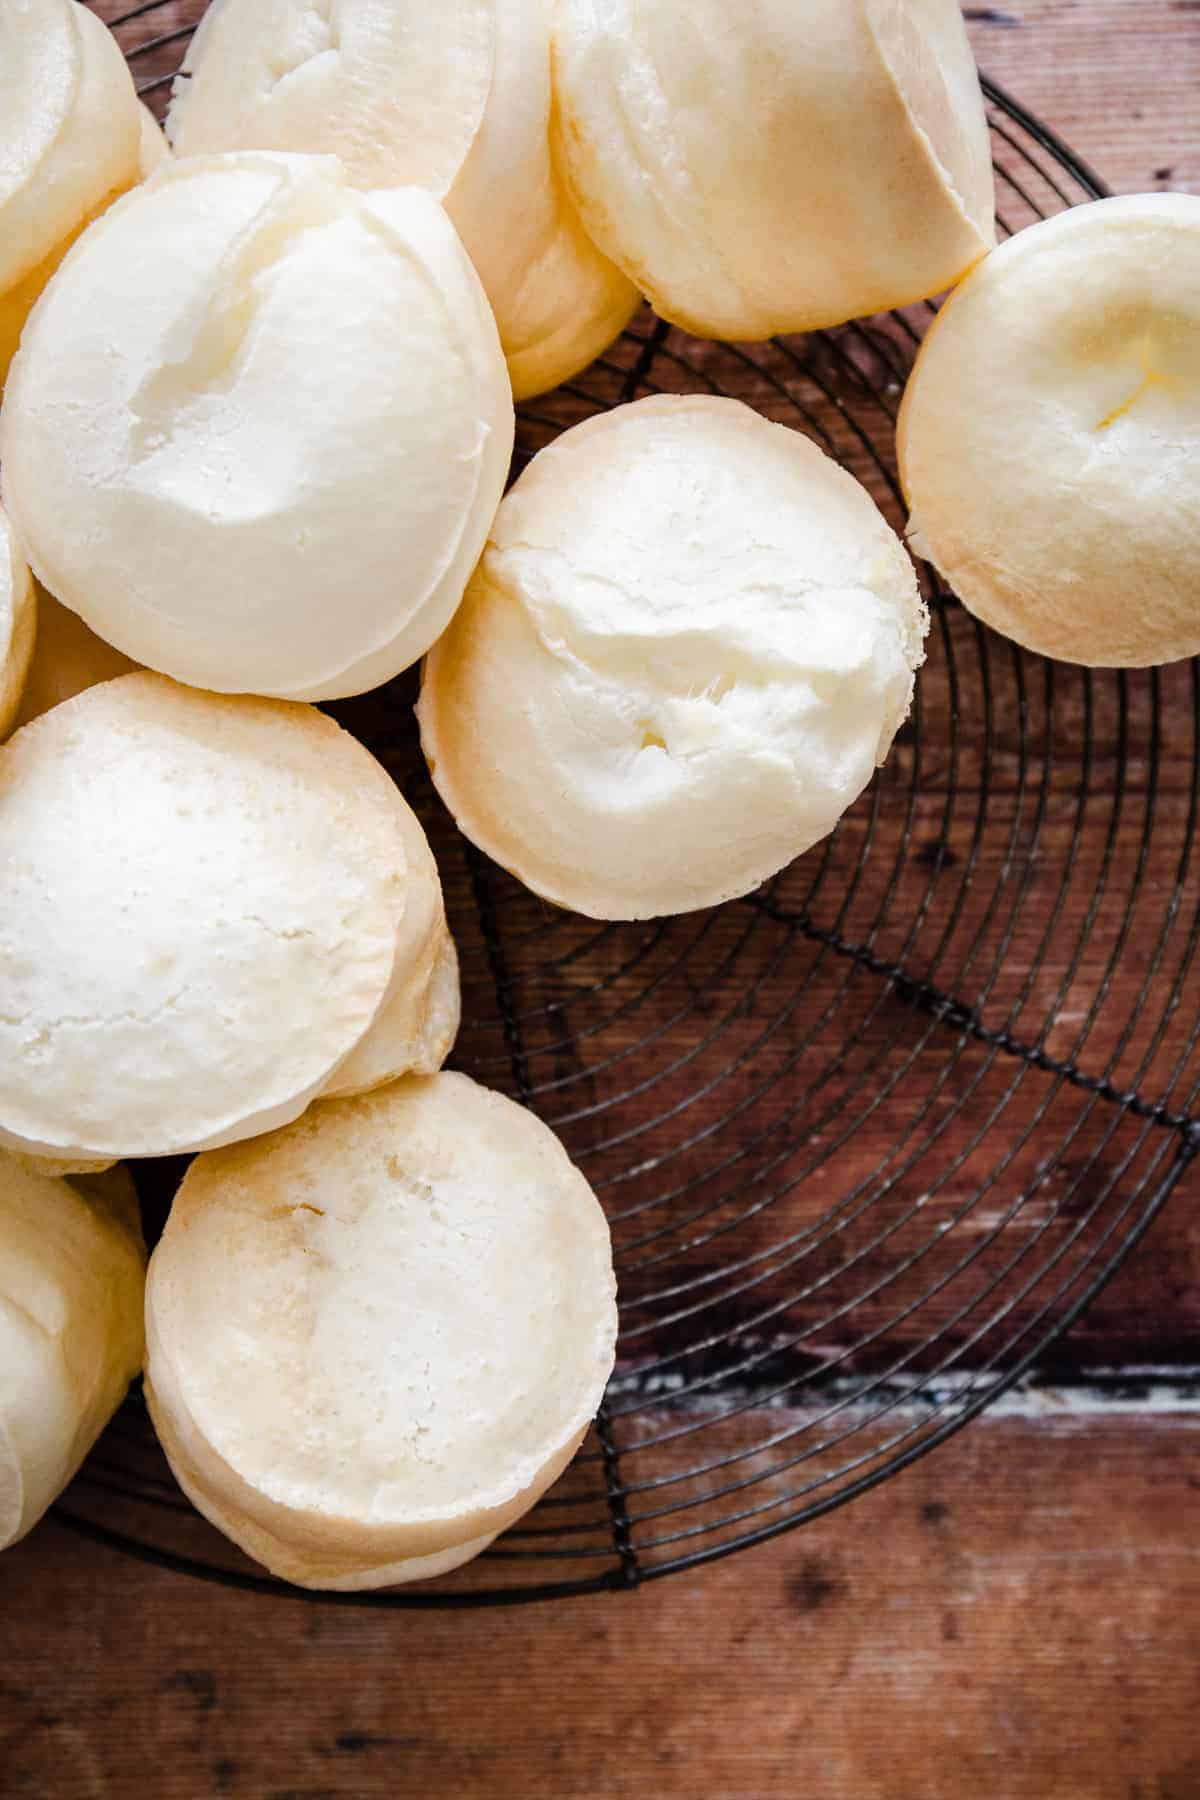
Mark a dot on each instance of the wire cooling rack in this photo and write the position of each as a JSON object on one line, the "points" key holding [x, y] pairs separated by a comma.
{"points": [[869, 1140]]}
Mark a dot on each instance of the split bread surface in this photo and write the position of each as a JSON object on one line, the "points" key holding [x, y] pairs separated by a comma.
{"points": [[1049, 437], [72, 1271], [690, 642], [454, 98], [202, 912], [380, 1334], [766, 167], [70, 140], [251, 388]]}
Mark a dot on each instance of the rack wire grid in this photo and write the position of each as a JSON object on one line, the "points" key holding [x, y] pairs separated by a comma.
{"points": [[869, 1139]]}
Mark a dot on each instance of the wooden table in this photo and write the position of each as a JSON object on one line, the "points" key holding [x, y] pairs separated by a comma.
{"points": [[1017, 1617]]}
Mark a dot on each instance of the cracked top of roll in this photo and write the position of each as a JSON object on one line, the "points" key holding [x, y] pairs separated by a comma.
{"points": [[691, 640], [453, 97], [200, 901], [259, 425]]}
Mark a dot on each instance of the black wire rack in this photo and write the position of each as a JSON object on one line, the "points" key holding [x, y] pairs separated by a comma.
{"points": [[869, 1140]]}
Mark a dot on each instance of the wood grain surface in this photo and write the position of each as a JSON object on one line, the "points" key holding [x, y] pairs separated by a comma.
{"points": [[1015, 1616], [1015, 1619]]}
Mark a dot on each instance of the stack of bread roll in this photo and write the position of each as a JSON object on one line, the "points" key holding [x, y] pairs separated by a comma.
{"points": [[186, 867], [376, 1337], [253, 448]]}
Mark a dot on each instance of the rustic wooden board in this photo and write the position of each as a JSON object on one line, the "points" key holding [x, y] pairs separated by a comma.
{"points": [[1016, 1618], [1116, 78], [1015, 1615]]}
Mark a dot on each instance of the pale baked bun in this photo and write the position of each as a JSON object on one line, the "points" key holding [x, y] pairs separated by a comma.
{"points": [[153, 148], [419, 1018], [69, 141], [18, 625], [691, 640], [454, 98], [380, 1334], [68, 659], [200, 908], [259, 427], [1049, 439], [769, 167], [72, 1268]]}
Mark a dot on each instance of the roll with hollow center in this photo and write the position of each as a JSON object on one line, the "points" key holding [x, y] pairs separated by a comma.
{"points": [[1049, 440]]}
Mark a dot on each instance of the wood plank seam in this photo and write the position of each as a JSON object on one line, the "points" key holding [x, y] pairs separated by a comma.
{"points": [[1043, 1393]]}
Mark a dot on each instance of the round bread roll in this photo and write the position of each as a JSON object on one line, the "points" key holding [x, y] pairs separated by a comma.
{"points": [[69, 141], [201, 901], [18, 626], [259, 427], [153, 148], [380, 1334], [72, 1269], [772, 167], [453, 98], [67, 660], [1049, 439], [689, 644], [419, 1019]]}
